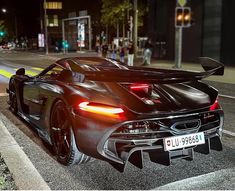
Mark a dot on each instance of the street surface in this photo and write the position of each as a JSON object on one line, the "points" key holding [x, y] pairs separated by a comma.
{"points": [[98, 174]]}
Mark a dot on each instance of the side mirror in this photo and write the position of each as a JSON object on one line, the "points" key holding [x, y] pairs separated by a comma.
{"points": [[70, 77], [66, 76], [20, 72]]}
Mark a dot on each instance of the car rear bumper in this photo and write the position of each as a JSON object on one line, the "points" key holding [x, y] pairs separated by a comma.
{"points": [[119, 143], [133, 150]]}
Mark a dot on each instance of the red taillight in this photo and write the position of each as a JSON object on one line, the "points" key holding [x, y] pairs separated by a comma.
{"points": [[215, 105], [139, 86], [102, 109]]}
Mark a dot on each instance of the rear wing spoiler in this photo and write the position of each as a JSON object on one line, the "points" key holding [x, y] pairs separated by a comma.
{"points": [[211, 66], [153, 75]]}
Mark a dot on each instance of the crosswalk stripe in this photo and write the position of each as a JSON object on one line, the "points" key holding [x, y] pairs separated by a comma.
{"points": [[5, 73], [38, 69], [28, 72]]}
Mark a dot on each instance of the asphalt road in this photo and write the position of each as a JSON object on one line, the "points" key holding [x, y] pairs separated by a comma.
{"points": [[100, 175]]}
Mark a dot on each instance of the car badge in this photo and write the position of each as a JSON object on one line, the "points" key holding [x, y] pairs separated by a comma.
{"points": [[208, 115]]}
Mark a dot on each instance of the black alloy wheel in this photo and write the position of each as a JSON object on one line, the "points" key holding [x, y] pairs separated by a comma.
{"points": [[62, 137]]}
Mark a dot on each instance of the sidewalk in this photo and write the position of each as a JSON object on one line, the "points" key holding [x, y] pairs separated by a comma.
{"points": [[25, 175], [228, 77]]}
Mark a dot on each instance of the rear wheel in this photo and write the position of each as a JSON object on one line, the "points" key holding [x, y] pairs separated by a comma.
{"points": [[62, 136]]}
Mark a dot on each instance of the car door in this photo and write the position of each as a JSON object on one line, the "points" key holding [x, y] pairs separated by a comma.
{"points": [[31, 97], [35, 94]]}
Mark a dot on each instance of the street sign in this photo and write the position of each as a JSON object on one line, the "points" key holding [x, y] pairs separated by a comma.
{"points": [[41, 40], [182, 3]]}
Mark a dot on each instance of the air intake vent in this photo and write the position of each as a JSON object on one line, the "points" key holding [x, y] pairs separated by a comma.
{"points": [[189, 126]]}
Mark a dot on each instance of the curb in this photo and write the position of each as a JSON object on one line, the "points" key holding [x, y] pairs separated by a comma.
{"points": [[25, 175]]}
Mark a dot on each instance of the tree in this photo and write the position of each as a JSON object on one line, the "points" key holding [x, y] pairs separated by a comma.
{"points": [[114, 12]]}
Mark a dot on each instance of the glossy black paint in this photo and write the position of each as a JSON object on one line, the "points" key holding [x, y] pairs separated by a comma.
{"points": [[174, 94]]}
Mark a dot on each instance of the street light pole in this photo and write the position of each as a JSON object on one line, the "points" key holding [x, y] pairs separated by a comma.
{"points": [[135, 27], [123, 27], [45, 26], [89, 32], [128, 20], [16, 31]]}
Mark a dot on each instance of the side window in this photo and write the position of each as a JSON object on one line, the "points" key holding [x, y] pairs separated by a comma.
{"points": [[53, 73]]}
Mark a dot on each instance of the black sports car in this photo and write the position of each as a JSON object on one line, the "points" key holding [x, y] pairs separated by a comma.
{"points": [[97, 107]]}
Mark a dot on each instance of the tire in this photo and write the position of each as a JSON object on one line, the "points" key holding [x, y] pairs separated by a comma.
{"points": [[13, 99], [62, 137]]}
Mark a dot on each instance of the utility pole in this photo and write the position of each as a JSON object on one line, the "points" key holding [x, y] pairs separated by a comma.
{"points": [[182, 20], [128, 17], [107, 34], [89, 32], [45, 26], [118, 30], [135, 40], [16, 31], [178, 47], [123, 27]]}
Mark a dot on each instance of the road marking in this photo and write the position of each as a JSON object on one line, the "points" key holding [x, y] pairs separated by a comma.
{"points": [[227, 96], [3, 94], [5, 73], [47, 56], [38, 69], [228, 132], [28, 72], [222, 178]]}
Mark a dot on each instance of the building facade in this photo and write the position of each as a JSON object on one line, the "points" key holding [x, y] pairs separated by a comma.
{"points": [[211, 33]]}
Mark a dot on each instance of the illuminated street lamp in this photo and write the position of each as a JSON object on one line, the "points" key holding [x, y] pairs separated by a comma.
{"points": [[2, 33], [3, 10]]}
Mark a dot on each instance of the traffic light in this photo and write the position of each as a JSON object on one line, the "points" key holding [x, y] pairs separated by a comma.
{"points": [[65, 44], [187, 17], [2, 33], [179, 17], [182, 17]]}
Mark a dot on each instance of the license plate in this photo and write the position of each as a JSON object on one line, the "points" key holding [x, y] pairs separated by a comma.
{"points": [[182, 141]]}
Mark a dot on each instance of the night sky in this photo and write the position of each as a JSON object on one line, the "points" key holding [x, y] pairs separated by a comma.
{"points": [[27, 13]]}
